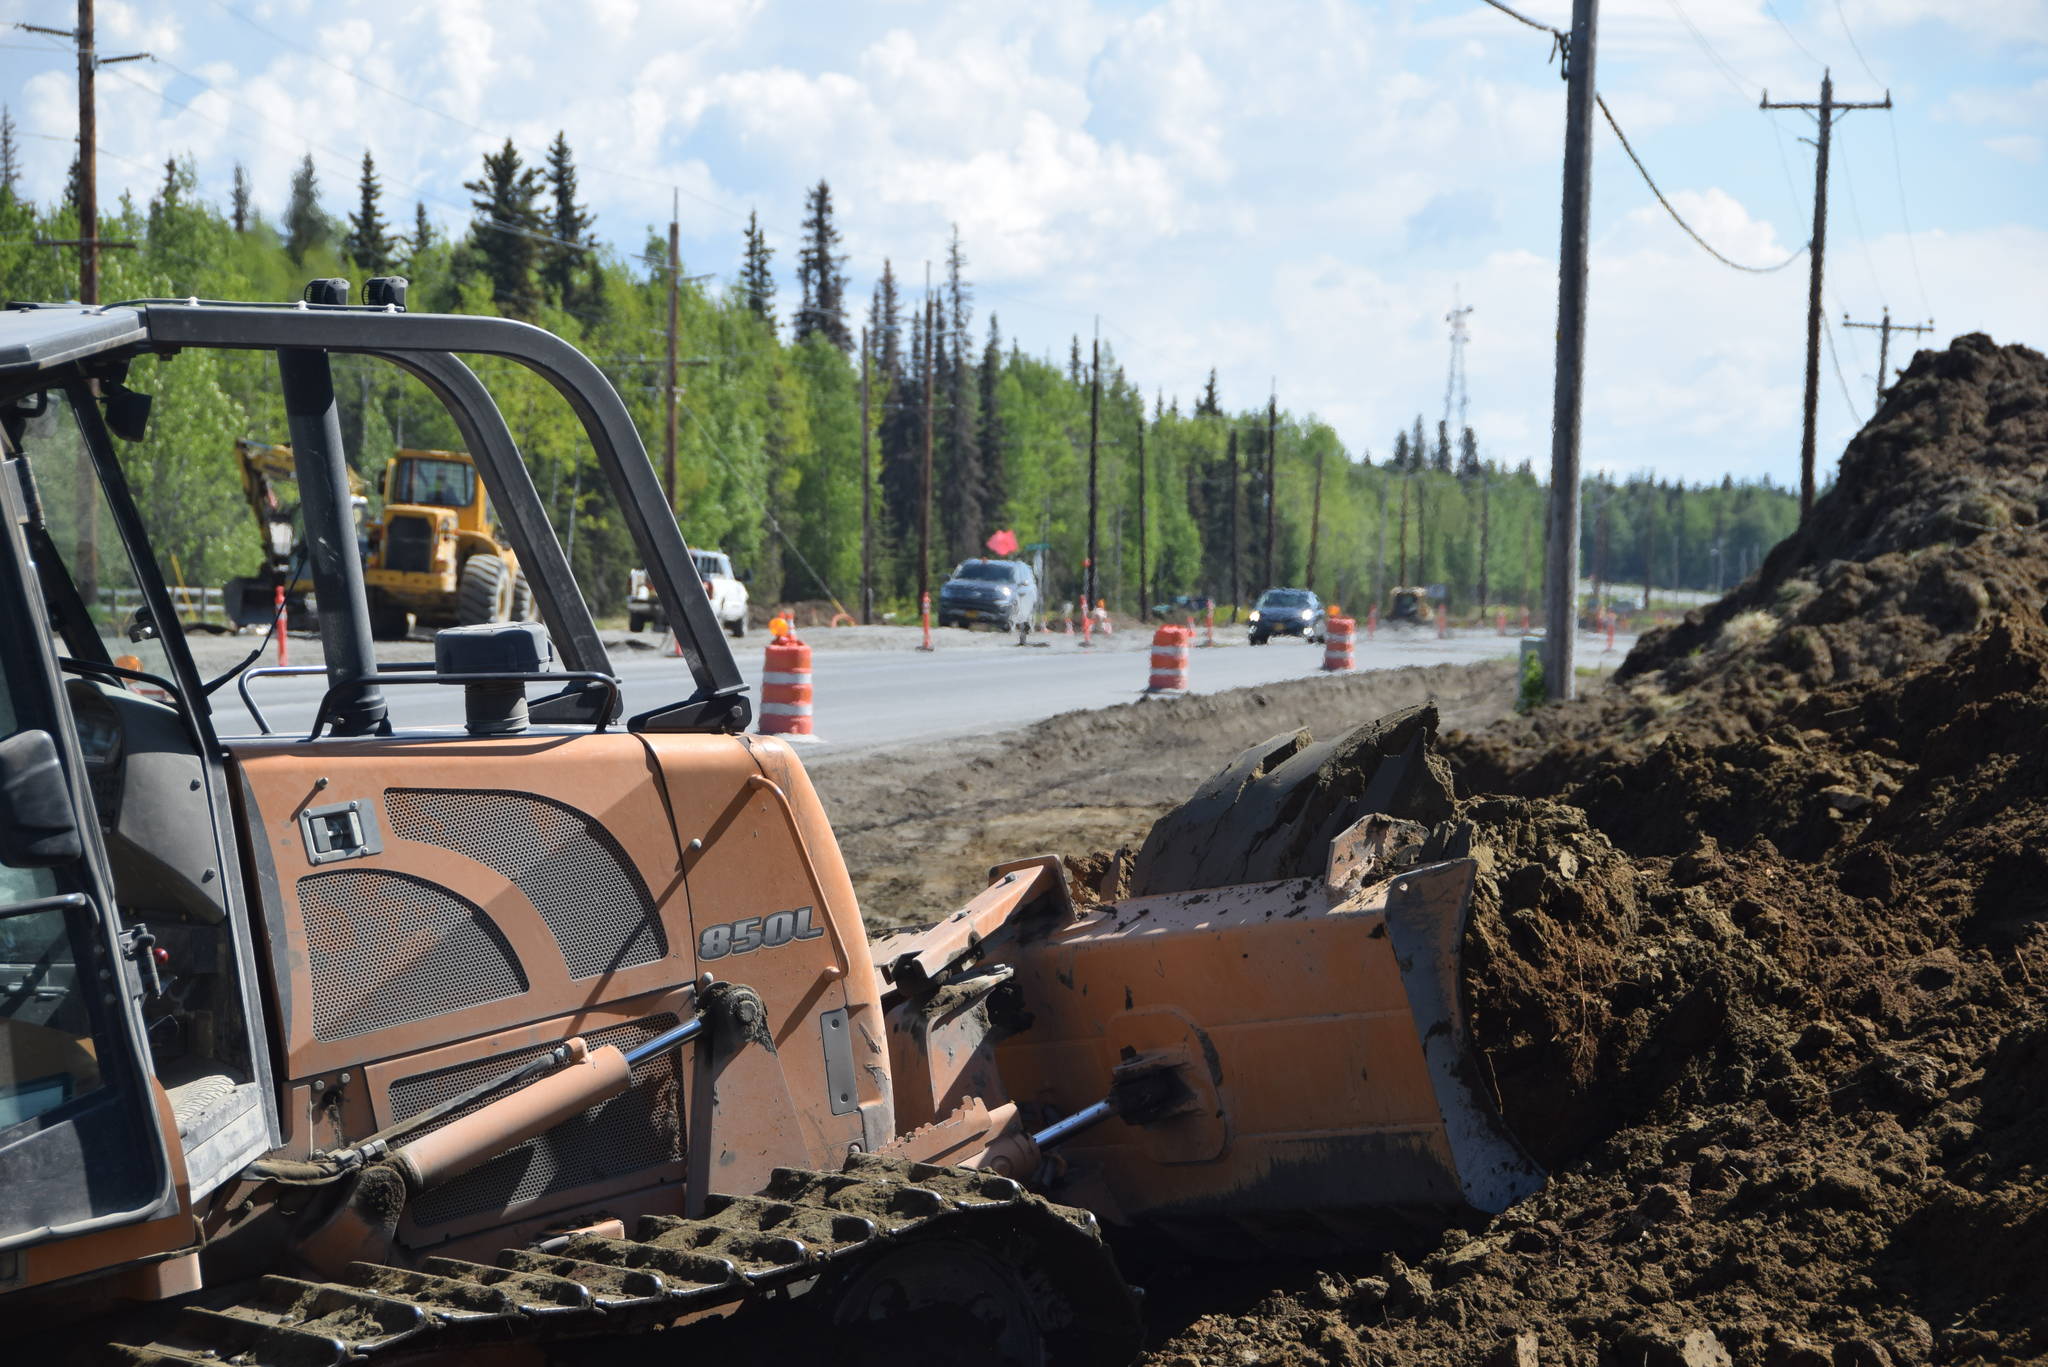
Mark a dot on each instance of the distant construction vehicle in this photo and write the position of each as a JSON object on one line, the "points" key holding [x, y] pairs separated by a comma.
{"points": [[387, 1041], [267, 473], [1408, 603], [436, 554]]}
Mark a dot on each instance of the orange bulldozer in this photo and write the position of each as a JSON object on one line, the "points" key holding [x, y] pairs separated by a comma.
{"points": [[487, 1014]]}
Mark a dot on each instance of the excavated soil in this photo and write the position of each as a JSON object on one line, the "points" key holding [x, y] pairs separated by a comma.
{"points": [[1758, 958]]}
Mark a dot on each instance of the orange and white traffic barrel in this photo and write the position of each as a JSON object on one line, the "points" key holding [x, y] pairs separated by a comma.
{"points": [[786, 685], [1170, 660], [1338, 635]]}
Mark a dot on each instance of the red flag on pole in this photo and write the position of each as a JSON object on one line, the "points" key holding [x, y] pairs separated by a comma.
{"points": [[1003, 542]]}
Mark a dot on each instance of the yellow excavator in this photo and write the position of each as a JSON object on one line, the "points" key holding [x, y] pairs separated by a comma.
{"points": [[392, 1039], [270, 485]]}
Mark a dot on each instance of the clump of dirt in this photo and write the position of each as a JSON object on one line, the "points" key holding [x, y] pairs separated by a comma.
{"points": [[1766, 991], [1932, 529]]}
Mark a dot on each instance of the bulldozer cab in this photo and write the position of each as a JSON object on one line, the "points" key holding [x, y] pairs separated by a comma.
{"points": [[197, 965], [439, 479]]}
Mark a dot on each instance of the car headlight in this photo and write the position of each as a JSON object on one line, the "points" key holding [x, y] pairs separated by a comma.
{"points": [[1255, 614], [1002, 592], [1307, 613]]}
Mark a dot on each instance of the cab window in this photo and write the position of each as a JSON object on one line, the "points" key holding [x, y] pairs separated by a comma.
{"points": [[84, 538], [442, 483]]}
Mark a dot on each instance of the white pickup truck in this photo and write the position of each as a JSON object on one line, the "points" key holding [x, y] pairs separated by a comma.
{"points": [[728, 595]]}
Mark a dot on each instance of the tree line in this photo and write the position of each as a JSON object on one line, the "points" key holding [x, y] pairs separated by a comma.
{"points": [[769, 428]]}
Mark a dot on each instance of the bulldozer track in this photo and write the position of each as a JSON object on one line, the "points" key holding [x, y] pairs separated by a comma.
{"points": [[807, 1225]]}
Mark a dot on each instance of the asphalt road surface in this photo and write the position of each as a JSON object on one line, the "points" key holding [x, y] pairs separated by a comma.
{"points": [[874, 697]]}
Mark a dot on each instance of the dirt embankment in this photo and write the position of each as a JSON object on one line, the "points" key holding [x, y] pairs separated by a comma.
{"points": [[1759, 958], [1932, 529], [920, 829]]}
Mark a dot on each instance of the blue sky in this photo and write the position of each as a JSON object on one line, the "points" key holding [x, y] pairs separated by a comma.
{"points": [[1292, 191]]}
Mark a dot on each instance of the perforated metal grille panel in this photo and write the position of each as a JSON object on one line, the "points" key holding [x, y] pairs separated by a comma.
{"points": [[639, 1128], [385, 950], [569, 867]]}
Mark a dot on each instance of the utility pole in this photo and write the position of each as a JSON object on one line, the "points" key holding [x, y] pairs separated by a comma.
{"points": [[86, 554], [1236, 587], [1649, 541], [1561, 533], [1272, 473], [1825, 113], [1315, 520], [675, 287], [1403, 581], [1379, 550], [89, 62], [1485, 529], [1884, 331], [924, 498], [1600, 556], [1144, 593], [867, 498], [1094, 421]]}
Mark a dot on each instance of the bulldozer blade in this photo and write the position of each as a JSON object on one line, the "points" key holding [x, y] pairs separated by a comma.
{"points": [[1334, 1094]]}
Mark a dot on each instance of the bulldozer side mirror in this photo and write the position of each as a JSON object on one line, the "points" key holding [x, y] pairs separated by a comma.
{"points": [[38, 826], [127, 412]]}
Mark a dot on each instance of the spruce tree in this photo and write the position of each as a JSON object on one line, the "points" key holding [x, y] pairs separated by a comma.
{"points": [[422, 234], [306, 225], [240, 199], [1441, 460], [167, 196], [507, 229], [564, 260], [989, 432], [1399, 459], [820, 269], [1076, 372], [885, 326], [369, 239], [966, 479], [1209, 405], [10, 155], [72, 184], [757, 280], [1468, 455], [1418, 447]]}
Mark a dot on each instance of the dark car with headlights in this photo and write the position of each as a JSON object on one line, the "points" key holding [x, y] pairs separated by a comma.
{"points": [[1002, 593], [1286, 612]]}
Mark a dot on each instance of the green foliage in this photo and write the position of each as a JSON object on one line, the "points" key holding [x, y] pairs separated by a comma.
{"points": [[307, 227], [767, 462], [1531, 695]]}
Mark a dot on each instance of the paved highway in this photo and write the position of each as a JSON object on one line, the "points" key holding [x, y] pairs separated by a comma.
{"points": [[871, 697]]}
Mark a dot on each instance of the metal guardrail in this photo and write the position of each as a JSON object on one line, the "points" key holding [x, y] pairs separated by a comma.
{"points": [[190, 600]]}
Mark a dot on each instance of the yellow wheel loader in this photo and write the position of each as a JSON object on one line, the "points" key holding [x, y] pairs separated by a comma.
{"points": [[436, 553], [389, 1040]]}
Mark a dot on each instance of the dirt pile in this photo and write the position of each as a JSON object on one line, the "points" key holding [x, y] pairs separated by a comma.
{"points": [[1794, 1104], [1767, 990], [1931, 529]]}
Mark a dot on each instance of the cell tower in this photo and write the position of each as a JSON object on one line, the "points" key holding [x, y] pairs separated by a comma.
{"points": [[1454, 383]]}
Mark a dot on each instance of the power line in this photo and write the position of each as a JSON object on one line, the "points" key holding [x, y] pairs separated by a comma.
{"points": [[1558, 37], [1793, 36], [1675, 216], [1734, 78], [1855, 46], [1898, 167], [1847, 402]]}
